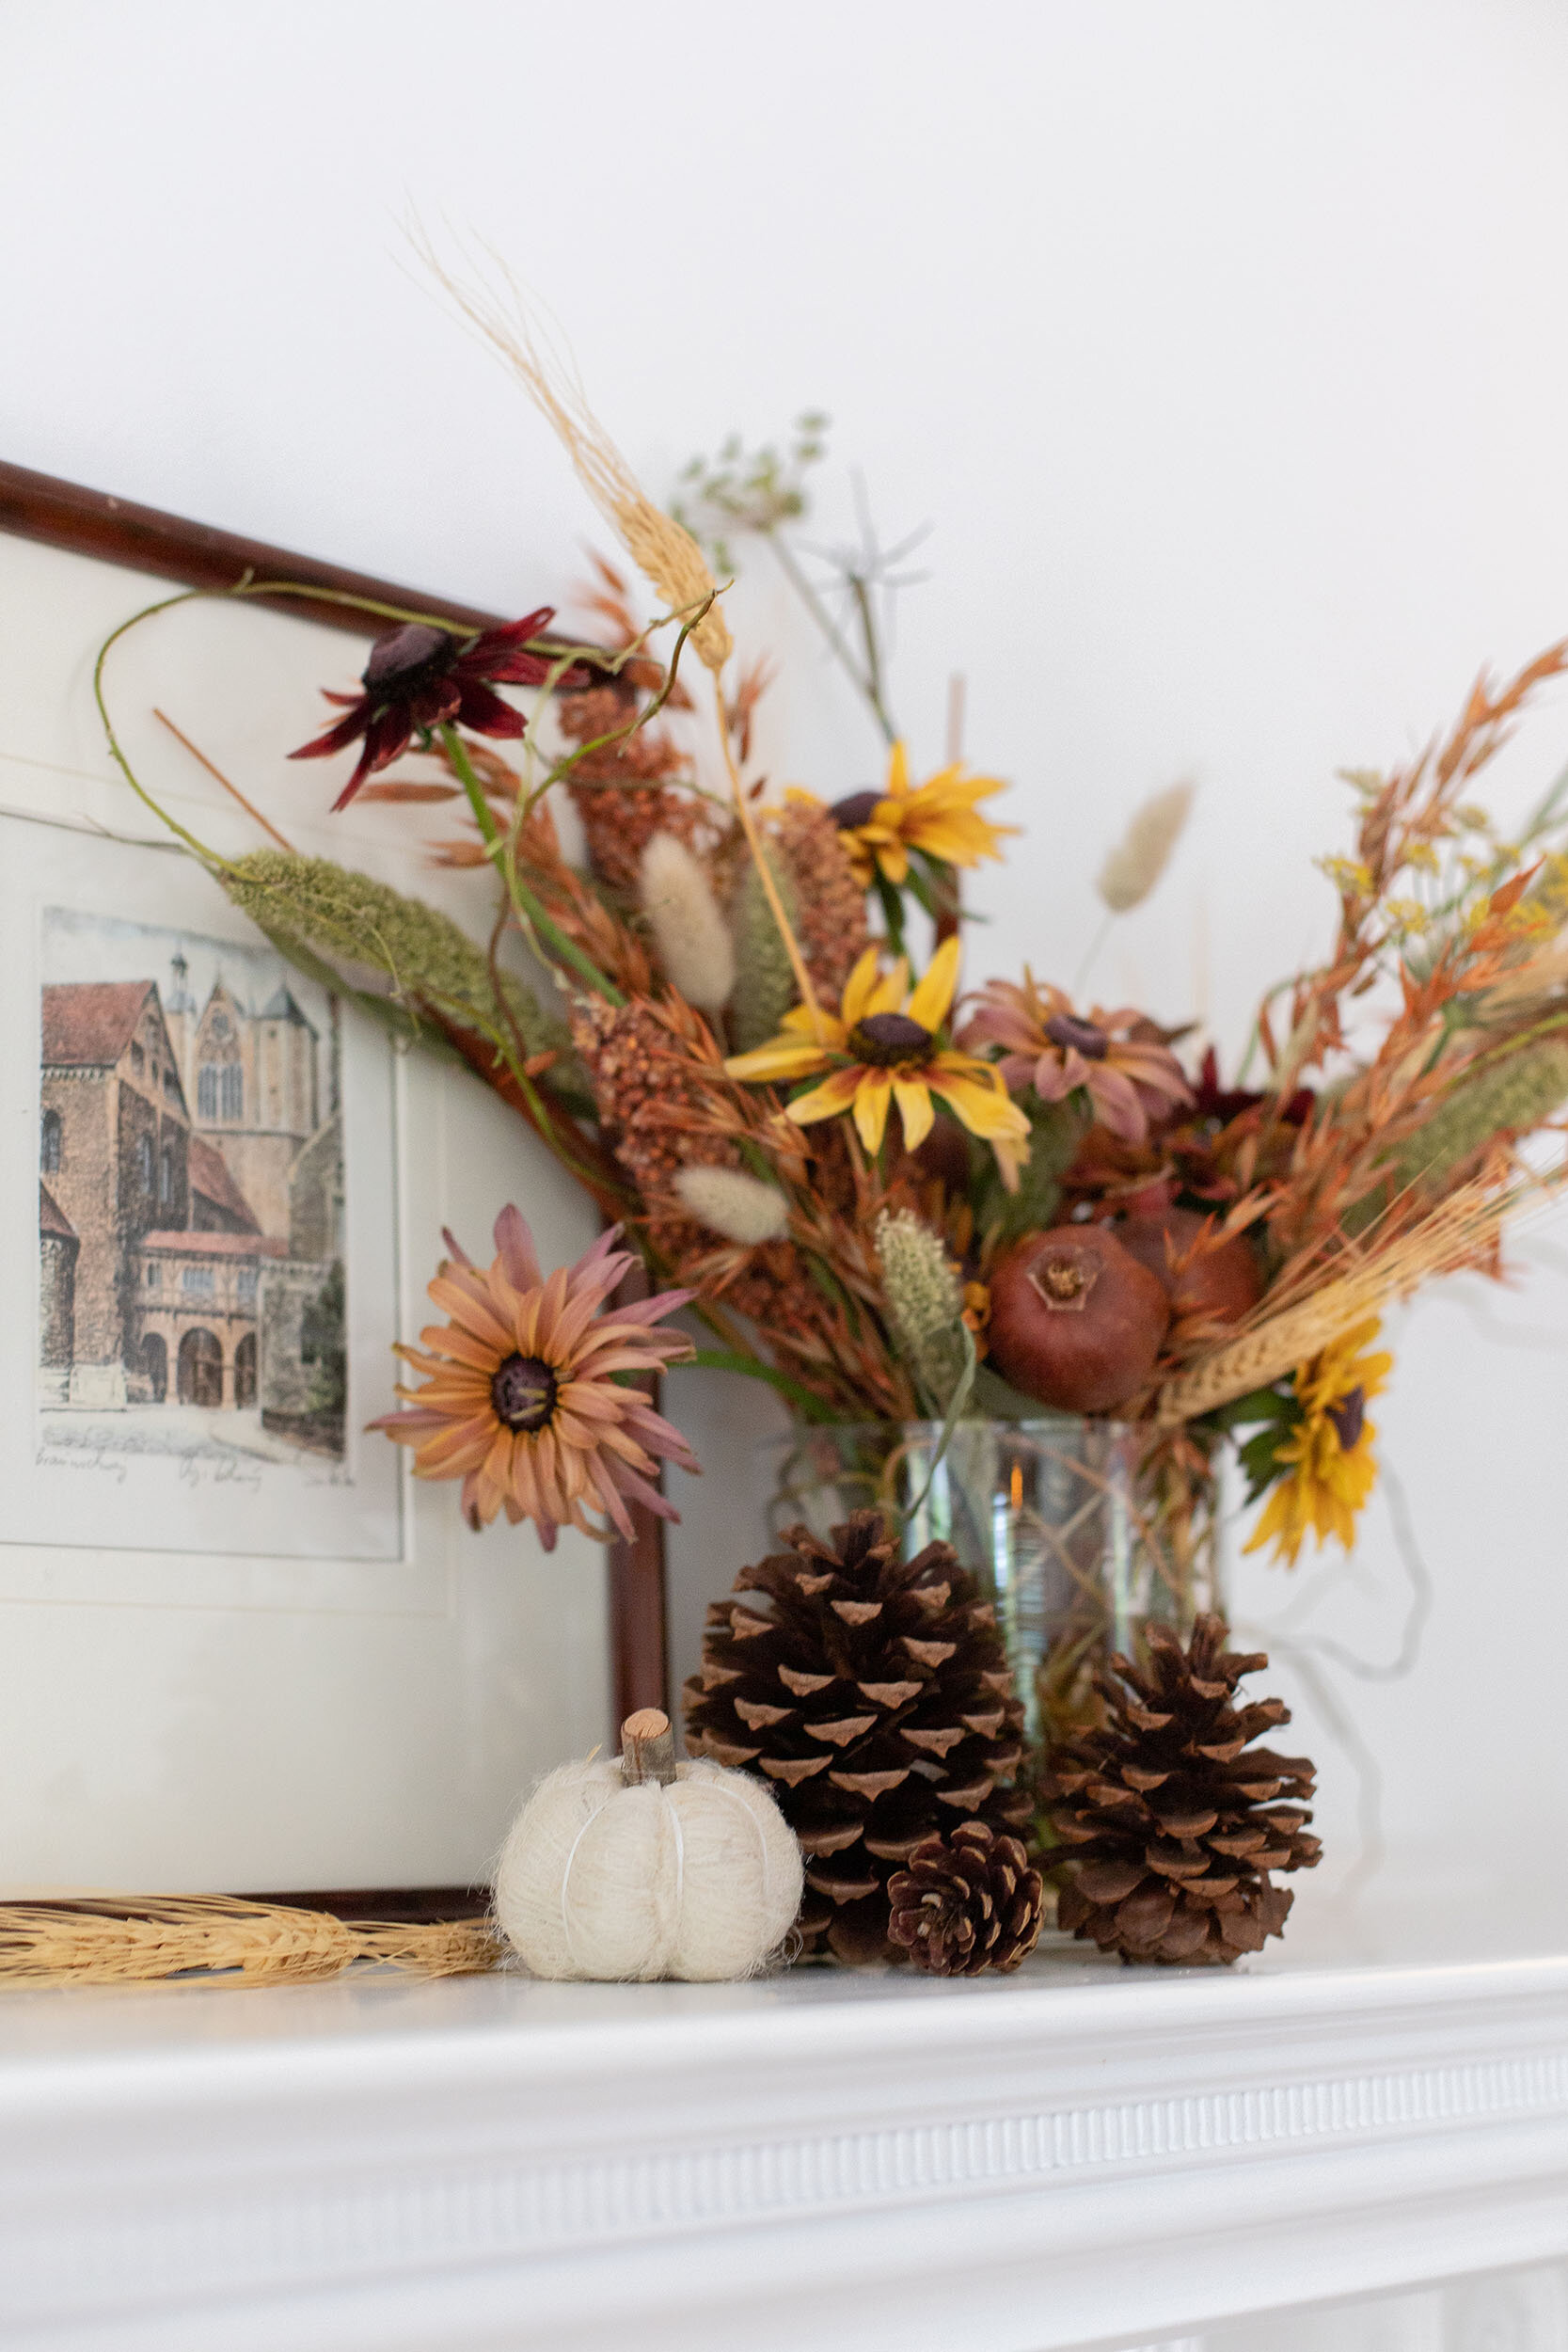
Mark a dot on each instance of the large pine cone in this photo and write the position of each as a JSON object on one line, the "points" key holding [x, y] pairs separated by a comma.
{"points": [[875, 1697], [1170, 1830], [967, 1902]]}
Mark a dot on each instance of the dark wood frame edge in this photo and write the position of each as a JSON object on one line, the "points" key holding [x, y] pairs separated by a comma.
{"points": [[143, 539], [67, 514]]}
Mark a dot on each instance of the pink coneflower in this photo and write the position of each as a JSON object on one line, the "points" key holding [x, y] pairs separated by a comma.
{"points": [[521, 1401], [1047, 1045]]}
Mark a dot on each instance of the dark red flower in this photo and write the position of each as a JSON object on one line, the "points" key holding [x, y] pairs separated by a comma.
{"points": [[1223, 1104], [418, 677]]}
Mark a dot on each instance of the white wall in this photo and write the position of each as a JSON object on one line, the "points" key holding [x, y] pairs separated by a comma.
{"points": [[1223, 345]]}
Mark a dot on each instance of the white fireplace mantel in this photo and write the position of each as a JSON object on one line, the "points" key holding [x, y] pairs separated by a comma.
{"points": [[1076, 2154]]}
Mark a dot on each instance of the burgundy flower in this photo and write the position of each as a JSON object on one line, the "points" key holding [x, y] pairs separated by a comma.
{"points": [[418, 677], [1223, 1104]]}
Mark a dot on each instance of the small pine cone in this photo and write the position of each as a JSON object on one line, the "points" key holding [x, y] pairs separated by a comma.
{"points": [[1170, 1830], [874, 1696], [966, 1901]]}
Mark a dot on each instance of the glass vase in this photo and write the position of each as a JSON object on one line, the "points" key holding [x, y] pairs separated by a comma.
{"points": [[1081, 1532]]}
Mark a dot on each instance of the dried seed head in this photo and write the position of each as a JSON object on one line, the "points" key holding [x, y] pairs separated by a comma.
{"points": [[1141, 856], [742, 1208], [693, 939]]}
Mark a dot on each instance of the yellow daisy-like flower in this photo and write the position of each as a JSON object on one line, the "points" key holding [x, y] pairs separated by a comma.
{"points": [[938, 816], [1330, 1469], [881, 1047]]}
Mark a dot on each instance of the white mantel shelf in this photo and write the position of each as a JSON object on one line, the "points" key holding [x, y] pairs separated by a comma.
{"points": [[1076, 2154]]}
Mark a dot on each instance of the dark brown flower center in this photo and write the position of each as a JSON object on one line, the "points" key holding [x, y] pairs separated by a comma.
{"points": [[1349, 1415], [856, 808], [1064, 1278], [886, 1039], [405, 657], [1077, 1036], [523, 1391]]}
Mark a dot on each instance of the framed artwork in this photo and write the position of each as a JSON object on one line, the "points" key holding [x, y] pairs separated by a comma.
{"points": [[240, 1648]]}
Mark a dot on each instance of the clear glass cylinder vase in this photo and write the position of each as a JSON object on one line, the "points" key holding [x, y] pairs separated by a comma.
{"points": [[1080, 1531]]}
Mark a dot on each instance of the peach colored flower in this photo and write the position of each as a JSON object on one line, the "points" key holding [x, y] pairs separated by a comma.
{"points": [[521, 1401]]}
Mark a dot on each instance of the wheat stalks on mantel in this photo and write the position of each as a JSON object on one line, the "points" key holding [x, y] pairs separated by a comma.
{"points": [[145, 1939], [1446, 1241]]}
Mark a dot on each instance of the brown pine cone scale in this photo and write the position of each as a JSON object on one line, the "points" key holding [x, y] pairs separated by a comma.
{"points": [[875, 1699], [1170, 1820]]}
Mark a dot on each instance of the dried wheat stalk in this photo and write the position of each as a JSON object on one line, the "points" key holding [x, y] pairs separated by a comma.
{"points": [[669, 556], [148, 1939], [1454, 1236]]}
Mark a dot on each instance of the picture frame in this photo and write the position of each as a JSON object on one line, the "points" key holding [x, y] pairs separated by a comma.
{"points": [[148, 1550]]}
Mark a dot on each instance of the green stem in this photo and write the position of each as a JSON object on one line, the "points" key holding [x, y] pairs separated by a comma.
{"points": [[1552, 1026], [893, 910], [862, 594], [561, 771], [197, 848], [550, 1134], [825, 623], [731, 1360], [566, 950]]}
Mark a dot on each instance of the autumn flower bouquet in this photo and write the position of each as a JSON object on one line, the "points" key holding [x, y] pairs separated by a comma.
{"points": [[897, 1191]]}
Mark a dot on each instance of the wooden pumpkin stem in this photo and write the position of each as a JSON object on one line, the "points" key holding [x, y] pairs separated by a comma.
{"points": [[647, 1747]]}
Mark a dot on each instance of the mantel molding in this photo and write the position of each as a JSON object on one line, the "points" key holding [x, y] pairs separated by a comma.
{"points": [[1067, 2157]]}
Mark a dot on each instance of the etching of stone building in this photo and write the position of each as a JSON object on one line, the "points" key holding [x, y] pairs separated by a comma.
{"points": [[303, 1362], [253, 1081], [190, 1259], [57, 1249], [114, 1153]]}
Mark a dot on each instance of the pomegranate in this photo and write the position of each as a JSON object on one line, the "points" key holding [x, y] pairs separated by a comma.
{"points": [[1076, 1321], [1220, 1283]]}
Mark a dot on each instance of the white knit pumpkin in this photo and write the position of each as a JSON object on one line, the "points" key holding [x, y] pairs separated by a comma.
{"points": [[698, 1877]]}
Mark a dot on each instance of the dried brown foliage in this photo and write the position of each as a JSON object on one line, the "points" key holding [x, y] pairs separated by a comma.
{"points": [[829, 904], [626, 783], [1333, 1192], [814, 1298]]}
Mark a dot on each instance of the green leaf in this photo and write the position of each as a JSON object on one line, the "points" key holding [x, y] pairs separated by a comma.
{"points": [[919, 887], [1055, 1132], [893, 912], [1277, 1403], [994, 1399], [1260, 1459]]}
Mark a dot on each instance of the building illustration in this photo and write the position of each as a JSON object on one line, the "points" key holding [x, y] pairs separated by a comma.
{"points": [[191, 1203]]}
